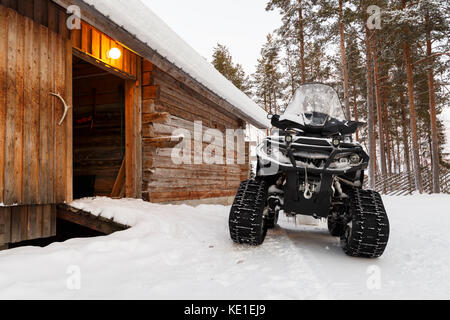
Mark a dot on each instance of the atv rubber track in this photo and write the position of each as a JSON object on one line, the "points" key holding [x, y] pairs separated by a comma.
{"points": [[369, 232], [247, 225]]}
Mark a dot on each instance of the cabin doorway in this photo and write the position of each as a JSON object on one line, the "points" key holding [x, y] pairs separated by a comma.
{"points": [[98, 130]]}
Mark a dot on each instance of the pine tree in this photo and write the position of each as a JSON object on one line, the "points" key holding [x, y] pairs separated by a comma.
{"points": [[344, 58], [296, 18], [356, 78], [396, 75], [223, 62], [412, 108], [268, 77], [370, 110], [319, 67], [436, 28], [335, 15]]}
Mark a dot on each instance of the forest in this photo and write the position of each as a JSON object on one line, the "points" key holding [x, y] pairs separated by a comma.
{"points": [[389, 62]]}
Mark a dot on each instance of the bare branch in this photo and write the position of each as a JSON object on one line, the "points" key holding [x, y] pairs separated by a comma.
{"points": [[432, 56]]}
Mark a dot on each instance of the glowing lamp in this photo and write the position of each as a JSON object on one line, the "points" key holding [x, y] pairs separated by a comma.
{"points": [[114, 53]]}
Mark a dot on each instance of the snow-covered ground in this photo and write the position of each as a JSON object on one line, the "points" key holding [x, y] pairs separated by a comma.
{"points": [[180, 252]]}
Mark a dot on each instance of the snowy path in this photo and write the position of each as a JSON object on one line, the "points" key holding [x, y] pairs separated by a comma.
{"points": [[178, 252], [415, 264]]}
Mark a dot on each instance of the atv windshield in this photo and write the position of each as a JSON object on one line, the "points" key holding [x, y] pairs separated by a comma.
{"points": [[314, 105]]}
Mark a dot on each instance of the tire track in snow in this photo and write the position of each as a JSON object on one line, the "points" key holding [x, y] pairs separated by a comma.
{"points": [[338, 275]]}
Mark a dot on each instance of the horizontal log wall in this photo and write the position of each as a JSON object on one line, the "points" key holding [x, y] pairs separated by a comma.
{"points": [[169, 105], [23, 223]]}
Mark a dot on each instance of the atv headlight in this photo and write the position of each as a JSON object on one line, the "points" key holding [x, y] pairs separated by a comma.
{"points": [[288, 138], [336, 142]]}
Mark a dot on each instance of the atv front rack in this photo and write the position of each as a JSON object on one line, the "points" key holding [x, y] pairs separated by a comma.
{"points": [[315, 171], [288, 162]]}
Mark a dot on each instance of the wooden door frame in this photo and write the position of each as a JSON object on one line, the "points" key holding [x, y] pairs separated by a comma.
{"points": [[69, 128], [133, 129], [133, 134]]}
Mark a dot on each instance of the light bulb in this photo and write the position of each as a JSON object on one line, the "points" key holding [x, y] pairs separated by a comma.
{"points": [[114, 53]]}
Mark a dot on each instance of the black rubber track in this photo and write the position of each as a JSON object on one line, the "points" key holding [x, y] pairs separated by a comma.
{"points": [[246, 221], [368, 233], [336, 226]]}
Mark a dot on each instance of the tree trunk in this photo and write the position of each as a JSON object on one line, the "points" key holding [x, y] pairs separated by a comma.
{"points": [[413, 121], [355, 109], [389, 150], [434, 130], [265, 108], [399, 154], [270, 102], [379, 113], [370, 113], [395, 151], [302, 42], [344, 61], [405, 135], [265, 102], [412, 108], [275, 101], [291, 72], [387, 127]]}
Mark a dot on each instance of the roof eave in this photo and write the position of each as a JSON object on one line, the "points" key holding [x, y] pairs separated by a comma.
{"points": [[92, 16]]}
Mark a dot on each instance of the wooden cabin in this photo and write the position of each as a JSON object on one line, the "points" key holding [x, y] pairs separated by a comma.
{"points": [[78, 119]]}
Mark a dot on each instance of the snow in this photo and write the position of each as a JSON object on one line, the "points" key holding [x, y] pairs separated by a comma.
{"points": [[139, 20], [4, 205], [126, 212], [181, 252]]}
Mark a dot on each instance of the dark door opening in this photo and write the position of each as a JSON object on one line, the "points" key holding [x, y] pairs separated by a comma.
{"points": [[98, 129]]}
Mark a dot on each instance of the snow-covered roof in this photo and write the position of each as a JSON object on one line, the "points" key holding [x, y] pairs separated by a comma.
{"points": [[139, 20]]}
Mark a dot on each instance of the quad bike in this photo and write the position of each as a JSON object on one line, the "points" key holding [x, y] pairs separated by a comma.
{"points": [[311, 166]]}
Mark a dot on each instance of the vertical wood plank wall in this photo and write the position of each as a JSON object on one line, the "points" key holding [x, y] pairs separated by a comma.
{"points": [[164, 181], [43, 12], [34, 150], [23, 223], [96, 44]]}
